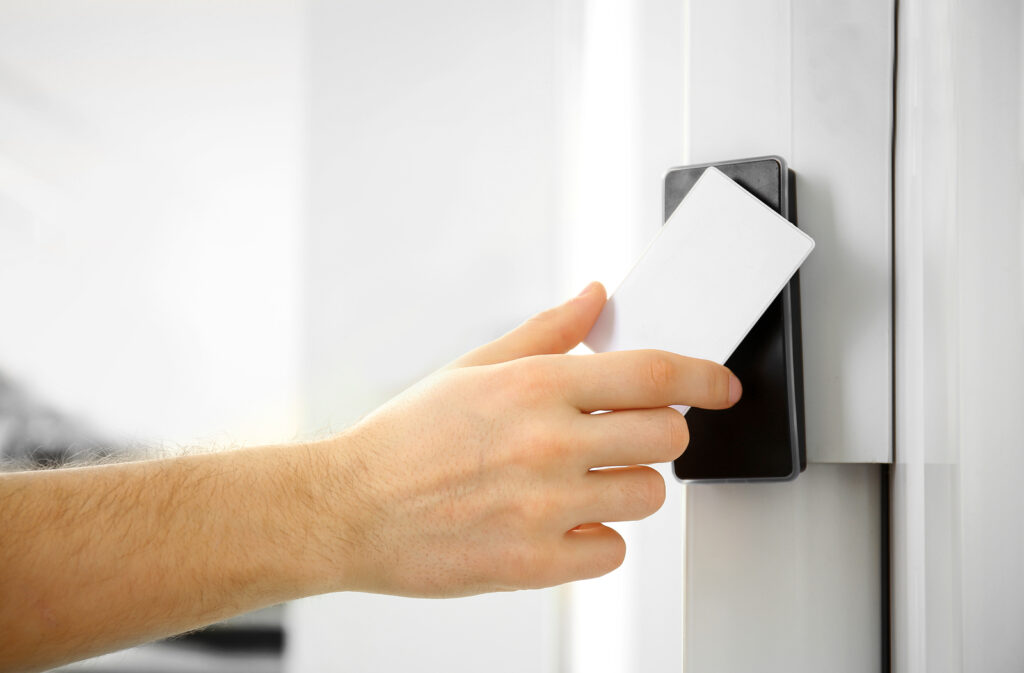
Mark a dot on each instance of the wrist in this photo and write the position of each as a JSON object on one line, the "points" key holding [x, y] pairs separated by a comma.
{"points": [[327, 514]]}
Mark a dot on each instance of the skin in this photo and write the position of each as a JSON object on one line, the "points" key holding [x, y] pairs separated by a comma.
{"points": [[478, 478]]}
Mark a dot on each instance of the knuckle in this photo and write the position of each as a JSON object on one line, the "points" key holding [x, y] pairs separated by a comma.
{"points": [[660, 371], [608, 557], [678, 434], [551, 326], [616, 553], [536, 511], [537, 445], [646, 491], [654, 493], [719, 385], [534, 379]]}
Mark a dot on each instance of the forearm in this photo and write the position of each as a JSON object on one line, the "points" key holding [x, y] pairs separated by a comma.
{"points": [[97, 558]]}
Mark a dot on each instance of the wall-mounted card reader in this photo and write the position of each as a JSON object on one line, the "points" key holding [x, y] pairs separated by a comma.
{"points": [[762, 437]]}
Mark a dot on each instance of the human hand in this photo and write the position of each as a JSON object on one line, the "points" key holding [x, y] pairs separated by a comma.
{"points": [[482, 476]]}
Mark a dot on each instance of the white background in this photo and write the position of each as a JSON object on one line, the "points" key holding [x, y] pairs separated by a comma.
{"points": [[151, 204]]}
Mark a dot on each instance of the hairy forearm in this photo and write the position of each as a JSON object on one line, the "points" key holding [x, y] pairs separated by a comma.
{"points": [[97, 558], [489, 475]]}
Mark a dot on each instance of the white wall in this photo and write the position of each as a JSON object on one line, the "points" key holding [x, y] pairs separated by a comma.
{"points": [[433, 164], [150, 170]]}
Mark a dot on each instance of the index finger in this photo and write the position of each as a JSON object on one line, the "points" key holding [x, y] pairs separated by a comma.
{"points": [[644, 379]]}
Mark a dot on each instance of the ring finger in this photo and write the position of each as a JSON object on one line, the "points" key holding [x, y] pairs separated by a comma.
{"points": [[617, 494], [632, 437]]}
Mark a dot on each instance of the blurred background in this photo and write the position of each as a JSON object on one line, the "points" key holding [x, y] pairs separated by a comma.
{"points": [[231, 222], [234, 222]]}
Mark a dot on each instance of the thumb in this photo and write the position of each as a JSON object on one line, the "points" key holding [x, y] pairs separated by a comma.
{"points": [[556, 330]]}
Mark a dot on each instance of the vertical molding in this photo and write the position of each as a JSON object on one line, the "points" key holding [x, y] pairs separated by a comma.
{"points": [[926, 630], [958, 593]]}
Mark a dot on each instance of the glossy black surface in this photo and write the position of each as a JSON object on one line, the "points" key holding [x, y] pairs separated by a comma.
{"points": [[761, 438]]}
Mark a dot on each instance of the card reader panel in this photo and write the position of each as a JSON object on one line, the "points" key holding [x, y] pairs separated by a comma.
{"points": [[762, 437]]}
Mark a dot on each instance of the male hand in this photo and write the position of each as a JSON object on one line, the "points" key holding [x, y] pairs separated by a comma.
{"points": [[484, 476], [479, 478]]}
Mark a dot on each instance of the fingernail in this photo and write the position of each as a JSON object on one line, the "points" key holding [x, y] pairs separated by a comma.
{"points": [[735, 389], [587, 289]]}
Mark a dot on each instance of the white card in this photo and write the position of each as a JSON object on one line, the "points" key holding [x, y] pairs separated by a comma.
{"points": [[708, 275]]}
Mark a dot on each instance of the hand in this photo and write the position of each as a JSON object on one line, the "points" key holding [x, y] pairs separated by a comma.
{"points": [[482, 476], [479, 478]]}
